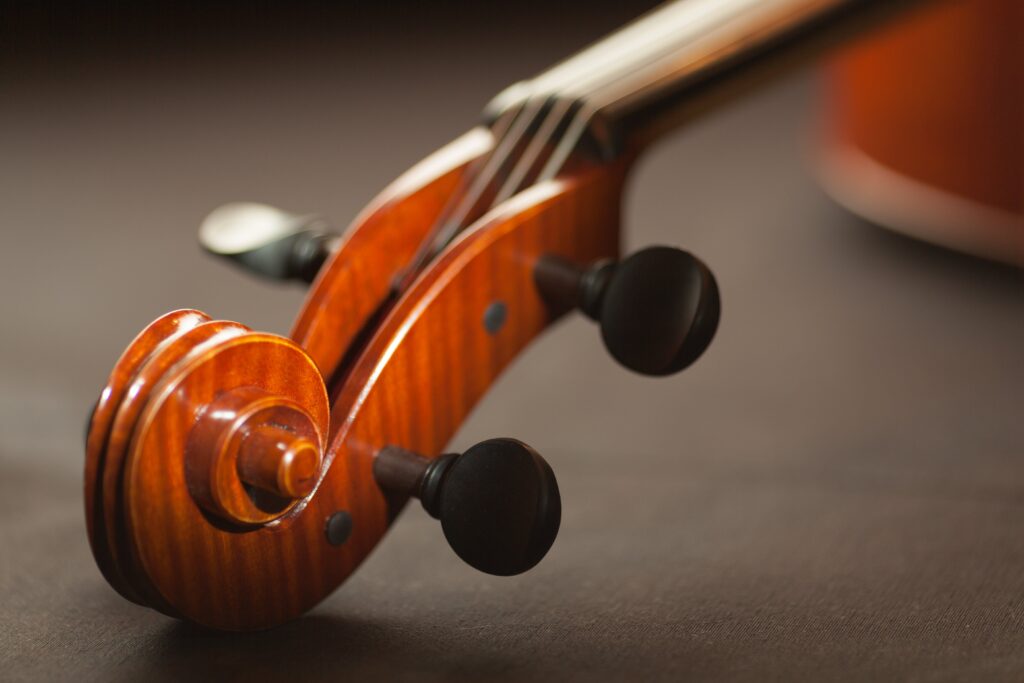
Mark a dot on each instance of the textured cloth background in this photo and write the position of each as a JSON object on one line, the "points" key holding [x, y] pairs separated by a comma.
{"points": [[834, 492]]}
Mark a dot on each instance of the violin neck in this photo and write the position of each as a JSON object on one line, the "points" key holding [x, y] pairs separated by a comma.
{"points": [[683, 57]]}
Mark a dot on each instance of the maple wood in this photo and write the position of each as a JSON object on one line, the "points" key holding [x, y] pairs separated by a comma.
{"points": [[218, 457], [184, 534], [924, 127], [380, 242]]}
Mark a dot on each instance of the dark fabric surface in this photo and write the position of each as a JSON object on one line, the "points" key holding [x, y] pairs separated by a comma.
{"points": [[835, 492]]}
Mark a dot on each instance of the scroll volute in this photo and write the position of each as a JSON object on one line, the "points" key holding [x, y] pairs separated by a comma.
{"points": [[251, 455], [216, 463]]}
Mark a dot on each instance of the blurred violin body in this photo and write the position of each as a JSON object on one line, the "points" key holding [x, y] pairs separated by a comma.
{"points": [[925, 127], [235, 478]]}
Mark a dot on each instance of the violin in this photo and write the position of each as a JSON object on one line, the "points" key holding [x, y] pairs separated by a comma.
{"points": [[924, 128], [234, 478]]}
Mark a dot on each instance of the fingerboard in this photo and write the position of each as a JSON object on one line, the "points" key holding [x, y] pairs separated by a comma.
{"points": [[672, 62]]}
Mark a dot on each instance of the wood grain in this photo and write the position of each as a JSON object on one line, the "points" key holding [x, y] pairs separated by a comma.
{"points": [[341, 302], [380, 242], [113, 398], [404, 372], [412, 386]]}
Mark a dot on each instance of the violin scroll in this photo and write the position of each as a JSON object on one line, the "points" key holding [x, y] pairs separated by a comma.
{"points": [[200, 417]]}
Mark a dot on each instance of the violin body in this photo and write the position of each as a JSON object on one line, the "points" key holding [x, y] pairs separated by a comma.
{"points": [[235, 478], [924, 128]]}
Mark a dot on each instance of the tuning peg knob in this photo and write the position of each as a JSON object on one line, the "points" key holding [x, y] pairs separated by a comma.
{"points": [[267, 241], [498, 502], [658, 308]]}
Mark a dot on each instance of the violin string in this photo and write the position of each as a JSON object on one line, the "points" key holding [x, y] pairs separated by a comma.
{"points": [[552, 113], [566, 144], [548, 116], [455, 221], [595, 74], [454, 214], [693, 24], [546, 134]]}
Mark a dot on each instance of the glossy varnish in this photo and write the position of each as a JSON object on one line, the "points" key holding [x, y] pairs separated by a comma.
{"points": [[413, 384]]}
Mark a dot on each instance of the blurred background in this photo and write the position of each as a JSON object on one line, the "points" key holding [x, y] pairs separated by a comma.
{"points": [[834, 491]]}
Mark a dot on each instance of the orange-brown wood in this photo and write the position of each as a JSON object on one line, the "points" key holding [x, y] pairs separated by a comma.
{"points": [[101, 425], [159, 506], [277, 459], [940, 97], [163, 359], [380, 242], [202, 419], [346, 295], [252, 454], [412, 386], [924, 126]]}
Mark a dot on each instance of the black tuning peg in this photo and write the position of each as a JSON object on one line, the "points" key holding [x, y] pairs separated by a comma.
{"points": [[498, 502], [267, 241], [658, 308]]}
